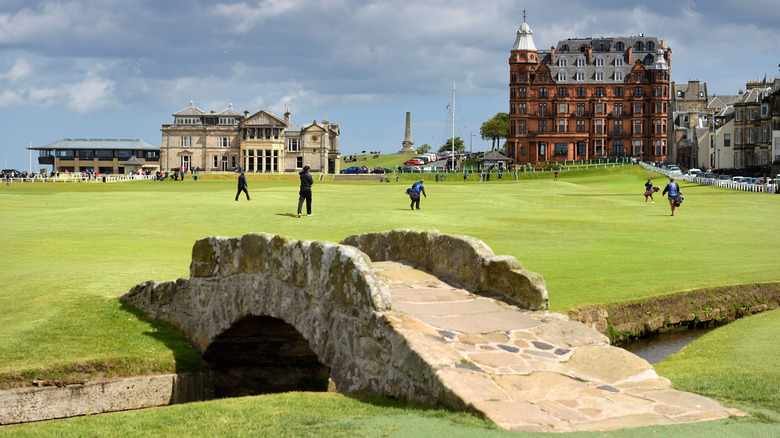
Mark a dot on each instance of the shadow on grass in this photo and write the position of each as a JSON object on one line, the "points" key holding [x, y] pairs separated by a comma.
{"points": [[185, 355]]}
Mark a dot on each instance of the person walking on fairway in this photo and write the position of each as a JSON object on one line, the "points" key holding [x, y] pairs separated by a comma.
{"points": [[649, 191], [414, 193], [674, 191], [464, 176], [305, 192], [242, 187], [556, 176]]}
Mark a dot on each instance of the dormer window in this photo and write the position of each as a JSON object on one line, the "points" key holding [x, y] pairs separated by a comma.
{"points": [[565, 48], [580, 62], [619, 46], [639, 46], [599, 62], [618, 62], [562, 62], [562, 75], [618, 75], [650, 46], [599, 75], [601, 48], [580, 76]]}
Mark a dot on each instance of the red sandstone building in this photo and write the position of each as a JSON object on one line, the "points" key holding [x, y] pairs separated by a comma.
{"points": [[588, 98]]}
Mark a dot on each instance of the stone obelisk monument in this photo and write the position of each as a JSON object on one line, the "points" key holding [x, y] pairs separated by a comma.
{"points": [[408, 144]]}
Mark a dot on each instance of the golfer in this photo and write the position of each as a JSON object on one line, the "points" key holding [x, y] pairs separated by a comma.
{"points": [[305, 192], [674, 192], [241, 187], [414, 194]]}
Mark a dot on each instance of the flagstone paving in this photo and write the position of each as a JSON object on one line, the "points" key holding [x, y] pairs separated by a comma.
{"points": [[532, 371]]}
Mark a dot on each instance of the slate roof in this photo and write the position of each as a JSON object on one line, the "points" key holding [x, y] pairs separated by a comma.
{"points": [[494, 156], [97, 144], [132, 161]]}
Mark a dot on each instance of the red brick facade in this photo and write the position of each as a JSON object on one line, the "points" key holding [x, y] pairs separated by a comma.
{"points": [[588, 98]]}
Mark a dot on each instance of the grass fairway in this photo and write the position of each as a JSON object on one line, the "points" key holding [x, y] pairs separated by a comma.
{"points": [[71, 249]]}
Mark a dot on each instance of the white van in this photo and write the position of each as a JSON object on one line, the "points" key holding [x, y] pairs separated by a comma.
{"points": [[740, 179], [692, 172]]}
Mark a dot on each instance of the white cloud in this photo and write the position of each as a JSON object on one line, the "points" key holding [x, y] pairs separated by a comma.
{"points": [[20, 70], [244, 17], [91, 95]]}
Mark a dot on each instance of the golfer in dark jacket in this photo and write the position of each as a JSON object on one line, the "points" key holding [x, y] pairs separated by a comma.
{"points": [[242, 187], [414, 193], [305, 192]]}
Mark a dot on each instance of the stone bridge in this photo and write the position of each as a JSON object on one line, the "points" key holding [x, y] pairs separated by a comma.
{"points": [[422, 316]]}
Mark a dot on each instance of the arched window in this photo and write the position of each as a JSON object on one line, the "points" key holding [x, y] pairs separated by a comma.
{"points": [[601, 48], [619, 47], [650, 46], [565, 48], [639, 47]]}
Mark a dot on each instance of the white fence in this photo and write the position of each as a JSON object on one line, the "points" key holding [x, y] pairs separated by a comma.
{"points": [[77, 178], [729, 184]]}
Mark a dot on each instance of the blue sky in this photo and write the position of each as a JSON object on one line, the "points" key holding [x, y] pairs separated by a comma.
{"points": [[120, 68]]}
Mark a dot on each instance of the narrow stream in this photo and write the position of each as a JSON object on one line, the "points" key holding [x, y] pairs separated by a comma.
{"points": [[658, 347]]}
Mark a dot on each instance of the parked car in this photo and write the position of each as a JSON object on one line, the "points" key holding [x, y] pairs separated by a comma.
{"points": [[708, 175], [740, 179], [353, 169], [381, 170], [675, 173], [692, 172], [413, 162]]}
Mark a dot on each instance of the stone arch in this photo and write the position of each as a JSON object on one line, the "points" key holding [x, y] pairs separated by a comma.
{"points": [[260, 355]]}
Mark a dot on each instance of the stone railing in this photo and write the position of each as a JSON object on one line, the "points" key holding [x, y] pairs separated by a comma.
{"points": [[463, 260]]}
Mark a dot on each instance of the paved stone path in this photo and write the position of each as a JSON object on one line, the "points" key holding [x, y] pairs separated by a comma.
{"points": [[532, 371]]}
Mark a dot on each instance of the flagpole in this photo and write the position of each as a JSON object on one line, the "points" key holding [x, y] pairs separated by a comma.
{"points": [[453, 126]]}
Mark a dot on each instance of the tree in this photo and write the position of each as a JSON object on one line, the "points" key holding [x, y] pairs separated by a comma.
{"points": [[447, 146], [495, 129], [424, 149]]}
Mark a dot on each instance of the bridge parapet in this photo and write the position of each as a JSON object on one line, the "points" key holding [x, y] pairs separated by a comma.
{"points": [[461, 260]]}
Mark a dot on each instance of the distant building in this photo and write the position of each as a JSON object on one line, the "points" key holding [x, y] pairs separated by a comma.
{"points": [[757, 125], [98, 155], [588, 98], [262, 142]]}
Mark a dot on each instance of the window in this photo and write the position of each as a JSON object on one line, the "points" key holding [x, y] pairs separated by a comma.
{"points": [[215, 162], [521, 92], [298, 162], [580, 148], [618, 75], [224, 142], [187, 121], [738, 115], [542, 148], [562, 62], [638, 77], [617, 148], [580, 109], [657, 147], [522, 77], [581, 62], [619, 63], [522, 150], [562, 126], [562, 75], [599, 62], [580, 91], [293, 145], [542, 91], [618, 127], [598, 126], [599, 75], [561, 92], [752, 114], [601, 48], [637, 126], [751, 135], [599, 108], [542, 109], [650, 46], [521, 127], [619, 47], [561, 149], [764, 110], [637, 147], [565, 48], [618, 109], [562, 108], [227, 121], [639, 46], [618, 91], [580, 76], [521, 108], [598, 146], [185, 142], [543, 77], [600, 91], [637, 91], [727, 140], [580, 125], [542, 125], [637, 107]]}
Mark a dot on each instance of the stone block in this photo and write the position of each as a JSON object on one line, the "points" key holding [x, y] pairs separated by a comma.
{"points": [[205, 258]]}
